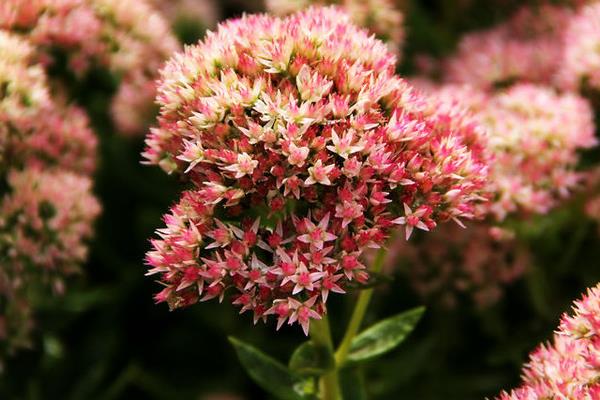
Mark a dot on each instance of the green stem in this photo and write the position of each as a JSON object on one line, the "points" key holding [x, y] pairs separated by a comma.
{"points": [[358, 314], [329, 386]]}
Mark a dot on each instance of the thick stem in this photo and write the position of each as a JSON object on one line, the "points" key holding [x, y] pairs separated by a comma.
{"points": [[358, 314], [329, 386]]}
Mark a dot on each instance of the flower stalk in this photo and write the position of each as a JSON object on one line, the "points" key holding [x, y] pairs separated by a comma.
{"points": [[320, 333], [358, 314]]}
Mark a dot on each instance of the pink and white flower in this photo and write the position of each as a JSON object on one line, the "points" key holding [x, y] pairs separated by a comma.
{"points": [[566, 368], [311, 154]]}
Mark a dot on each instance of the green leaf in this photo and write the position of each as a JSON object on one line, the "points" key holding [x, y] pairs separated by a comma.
{"points": [[268, 373], [384, 335], [310, 359]]}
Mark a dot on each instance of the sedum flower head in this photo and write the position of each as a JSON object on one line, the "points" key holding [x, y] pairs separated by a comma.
{"points": [[303, 150], [542, 133], [35, 129], [128, 38], [534, 136], [526, 48], [581, 55], [47, 152], [567, 368], [45, 218], [380, 17]]}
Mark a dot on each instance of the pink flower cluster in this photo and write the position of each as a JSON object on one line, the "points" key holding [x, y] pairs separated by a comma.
{"points": [[47, 152], [509, 77], [553, 45], [303, 149], [453, 264], [580, 64], [127, 37], [534, 136], [45, 218], [556, 46], [526, 48], [380, 17], [36, 130], [567, 368]]}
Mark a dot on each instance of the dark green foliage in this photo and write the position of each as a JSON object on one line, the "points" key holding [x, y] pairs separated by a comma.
{"points": [[270, 374], [310, 359], [384, 336]]}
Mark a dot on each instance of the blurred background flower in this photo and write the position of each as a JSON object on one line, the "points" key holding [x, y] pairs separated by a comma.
{"points": [[47, 155], [76, 38]]}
